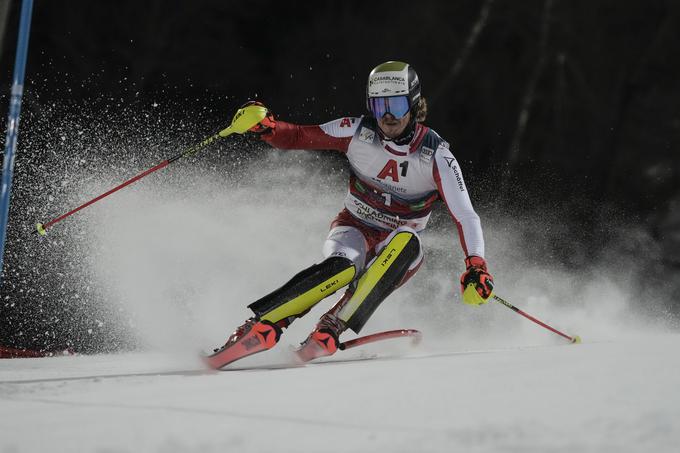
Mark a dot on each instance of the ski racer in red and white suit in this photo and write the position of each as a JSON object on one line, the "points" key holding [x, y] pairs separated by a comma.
{"points": [[391, 186], [399, 168]]}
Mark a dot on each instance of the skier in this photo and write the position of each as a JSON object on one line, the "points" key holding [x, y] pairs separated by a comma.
{"points": [[399, 168]]}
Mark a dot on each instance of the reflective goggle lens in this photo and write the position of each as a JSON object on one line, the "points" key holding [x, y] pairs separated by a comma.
{"points": [[398, 106]]}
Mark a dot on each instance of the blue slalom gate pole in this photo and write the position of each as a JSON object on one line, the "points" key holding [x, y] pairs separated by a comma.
{"points": [[13, 122]]}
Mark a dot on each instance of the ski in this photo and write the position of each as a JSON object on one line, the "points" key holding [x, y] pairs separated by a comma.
{"points": [[310, 350], [258, 337], [224, 357], [415, 335]]}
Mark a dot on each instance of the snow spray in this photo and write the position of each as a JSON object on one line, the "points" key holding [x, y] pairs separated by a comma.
{"points": [[172, 263]]}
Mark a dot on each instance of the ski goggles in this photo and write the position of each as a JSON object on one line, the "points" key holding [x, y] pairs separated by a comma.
{"points": [[397, 106]]}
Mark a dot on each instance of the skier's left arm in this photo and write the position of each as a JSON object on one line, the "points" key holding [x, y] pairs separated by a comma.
{"points": [[476, 282]]}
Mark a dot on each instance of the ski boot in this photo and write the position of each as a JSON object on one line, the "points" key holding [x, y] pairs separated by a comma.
{"points": [[324, 340], [250, 338]]}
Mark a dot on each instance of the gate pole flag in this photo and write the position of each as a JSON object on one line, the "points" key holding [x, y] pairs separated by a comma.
{"points": [[13, 121]]}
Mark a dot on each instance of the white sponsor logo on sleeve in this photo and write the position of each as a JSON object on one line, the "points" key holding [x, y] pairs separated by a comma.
{"points": [[426, 154], [366, 135]]}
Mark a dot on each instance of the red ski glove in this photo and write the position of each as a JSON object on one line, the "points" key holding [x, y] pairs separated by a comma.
{"points": [[267, 124], [476, 283]]}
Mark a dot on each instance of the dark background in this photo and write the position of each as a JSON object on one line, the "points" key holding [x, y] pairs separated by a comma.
{"points": [[575, 100]]}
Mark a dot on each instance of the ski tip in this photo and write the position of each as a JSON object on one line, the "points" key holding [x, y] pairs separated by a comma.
{"points": [[210, 361], [576, 339]]}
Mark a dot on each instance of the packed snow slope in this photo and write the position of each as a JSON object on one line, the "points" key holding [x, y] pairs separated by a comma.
{"points": [[617, 396]]}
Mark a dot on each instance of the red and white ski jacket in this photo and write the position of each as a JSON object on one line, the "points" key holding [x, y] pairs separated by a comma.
{"points": [[390, 185]]}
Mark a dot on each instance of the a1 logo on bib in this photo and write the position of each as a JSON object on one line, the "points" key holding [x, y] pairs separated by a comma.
{"points": [[366, 135], [390, 170]]}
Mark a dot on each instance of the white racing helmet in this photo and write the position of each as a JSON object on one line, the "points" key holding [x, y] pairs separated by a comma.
{"points": [[393, 87]]}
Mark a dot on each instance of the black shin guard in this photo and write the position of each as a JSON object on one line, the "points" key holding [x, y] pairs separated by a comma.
{"points": [[305, 289], [380, 279]]}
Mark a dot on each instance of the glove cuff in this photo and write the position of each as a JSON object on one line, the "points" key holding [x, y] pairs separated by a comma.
{"points": [[475, 261], [268, 121]]}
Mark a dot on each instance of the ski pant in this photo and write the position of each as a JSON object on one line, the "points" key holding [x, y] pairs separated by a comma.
{"points": [[372, 262]]}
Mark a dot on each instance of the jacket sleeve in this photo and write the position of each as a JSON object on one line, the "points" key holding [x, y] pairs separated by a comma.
{"points": [[334, 135], [452, 189]]}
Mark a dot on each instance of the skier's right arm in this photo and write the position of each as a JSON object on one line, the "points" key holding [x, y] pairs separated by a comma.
{"points": [[294, 136], [334, 135]]}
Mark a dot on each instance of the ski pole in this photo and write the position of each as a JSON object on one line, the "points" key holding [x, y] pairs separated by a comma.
{"points": [[244, 119], [572, 339]]}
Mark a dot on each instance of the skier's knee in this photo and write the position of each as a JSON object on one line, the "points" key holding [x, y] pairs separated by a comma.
{"points": [[346, 242], [403, 231]]}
